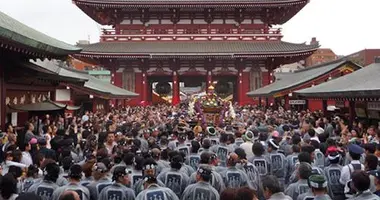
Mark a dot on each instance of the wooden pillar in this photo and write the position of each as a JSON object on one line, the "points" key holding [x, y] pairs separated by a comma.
{"points": [[208, 80], [176, 95], [240, 87], [352, 111]]}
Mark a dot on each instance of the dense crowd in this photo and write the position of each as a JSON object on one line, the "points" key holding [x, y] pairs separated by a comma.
{"points": [[163, 153]]}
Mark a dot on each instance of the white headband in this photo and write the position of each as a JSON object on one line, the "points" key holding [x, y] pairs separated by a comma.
{"points": [[316, 185], [273, 144], [151, 166], [333, 157]]}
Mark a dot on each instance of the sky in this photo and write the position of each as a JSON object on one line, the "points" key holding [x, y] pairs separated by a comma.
{"points": [[345, 26]]}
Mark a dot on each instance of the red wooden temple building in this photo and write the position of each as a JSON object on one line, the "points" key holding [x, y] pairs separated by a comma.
{"points": [[22, 82], [25, 85], [359, 91], [165, 45]]}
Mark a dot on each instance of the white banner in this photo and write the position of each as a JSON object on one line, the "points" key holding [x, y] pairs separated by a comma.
{"points": [[373, 106], [297, 102]]}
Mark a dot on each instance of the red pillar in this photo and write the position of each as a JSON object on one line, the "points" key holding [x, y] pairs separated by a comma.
{"points": [[144, 95], [113, 76], [209, 80], [176, 97], [94, 105], [287, 105], [240, 87]]}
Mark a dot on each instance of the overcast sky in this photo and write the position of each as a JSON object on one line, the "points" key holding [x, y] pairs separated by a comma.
{"points": [[345, 26]]}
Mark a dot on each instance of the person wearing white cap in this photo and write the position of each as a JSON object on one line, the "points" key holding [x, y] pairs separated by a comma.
{"points": [[247, 145], [152, 190], [318, 189], [213, 135], [332, 173], [181, 146], [149, 169], [277, 161]]}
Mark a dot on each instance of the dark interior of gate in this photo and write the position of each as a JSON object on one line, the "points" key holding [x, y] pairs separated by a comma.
{"points": [[161, 87]]}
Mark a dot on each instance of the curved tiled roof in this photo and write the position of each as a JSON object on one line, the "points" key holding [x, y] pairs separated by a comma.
{"points": [[46, 105], [190, 3], [286, 81], [92, 83], [191, 48], [363, 83], [13, 32]]}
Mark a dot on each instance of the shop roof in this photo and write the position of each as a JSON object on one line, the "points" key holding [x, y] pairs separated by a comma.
{"points": [[361, 83], [285, 81], [22, 38]]}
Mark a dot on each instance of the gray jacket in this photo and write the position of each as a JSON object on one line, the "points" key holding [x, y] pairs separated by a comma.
{"points": [[280, 196], [155, 191], [200, 190], [96, 187]]}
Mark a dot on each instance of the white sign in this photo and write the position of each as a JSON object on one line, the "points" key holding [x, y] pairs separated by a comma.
{"points": [[373, 106], [297, 102], [62, 95], [14, 119]]}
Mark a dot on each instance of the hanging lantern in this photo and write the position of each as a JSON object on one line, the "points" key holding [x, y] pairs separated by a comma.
{"points": [[162, 88], [222, 88]]}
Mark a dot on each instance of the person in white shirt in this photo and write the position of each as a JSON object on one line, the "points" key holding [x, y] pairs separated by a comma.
{"points": [[27, 159], [85, 117], [355, 152], [110, 143], [247, 145], [313, 135], [8, 161]]}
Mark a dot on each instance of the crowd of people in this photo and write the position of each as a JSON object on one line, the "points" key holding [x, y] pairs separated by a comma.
{"points": [[163, 153]]}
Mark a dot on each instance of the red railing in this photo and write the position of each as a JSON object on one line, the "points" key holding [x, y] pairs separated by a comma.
{"points": [[191, 34]]}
